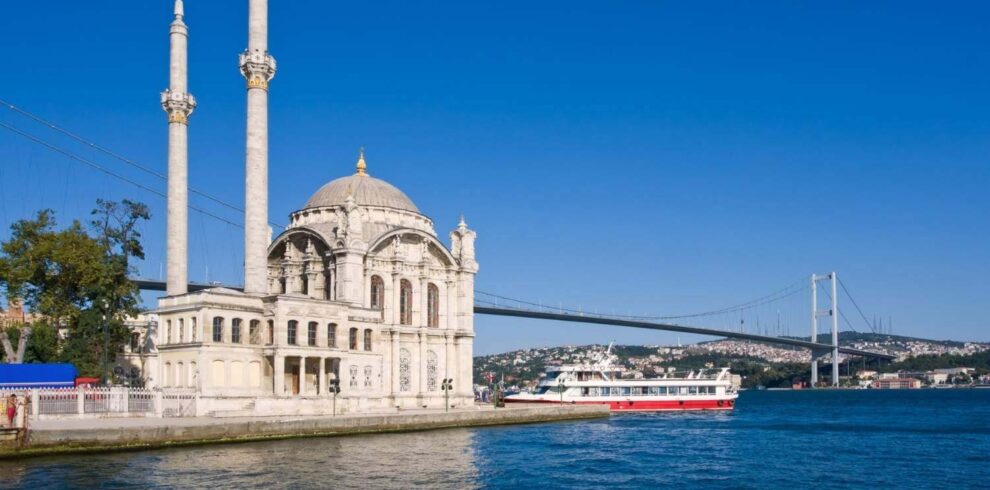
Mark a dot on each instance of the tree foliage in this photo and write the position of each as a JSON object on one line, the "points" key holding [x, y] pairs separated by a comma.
{"points": [[77, 280]]}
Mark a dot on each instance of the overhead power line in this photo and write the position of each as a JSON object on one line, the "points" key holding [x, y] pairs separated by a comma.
{"points": [[107, 171], [117, 156]]}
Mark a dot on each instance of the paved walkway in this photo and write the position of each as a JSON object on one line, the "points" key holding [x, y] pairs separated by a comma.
{"points": [[71, 423]]}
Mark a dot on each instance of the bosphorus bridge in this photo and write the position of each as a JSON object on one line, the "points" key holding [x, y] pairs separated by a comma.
{"points": [[700, 323]]}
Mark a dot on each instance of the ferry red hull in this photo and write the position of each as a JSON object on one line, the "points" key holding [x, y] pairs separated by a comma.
{"points": [[647, 405]]}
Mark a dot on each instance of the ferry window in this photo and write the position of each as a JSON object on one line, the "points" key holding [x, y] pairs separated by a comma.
{"points": [[593, 391], [585, 391], [692, 390], [626, 391], [654, 390], [552, 376]]}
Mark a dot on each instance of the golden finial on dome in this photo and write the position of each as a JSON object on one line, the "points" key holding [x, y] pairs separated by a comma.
{"points": [[362, 167]]}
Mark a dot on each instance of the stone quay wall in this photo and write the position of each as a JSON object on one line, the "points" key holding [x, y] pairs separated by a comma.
{"points": [[99, 435]]}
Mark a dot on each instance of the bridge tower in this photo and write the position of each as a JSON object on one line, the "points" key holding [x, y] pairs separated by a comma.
{"points": [[833, 312]]}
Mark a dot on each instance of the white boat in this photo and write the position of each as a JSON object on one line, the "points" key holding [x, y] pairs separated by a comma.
{"points": [[600, 382]]}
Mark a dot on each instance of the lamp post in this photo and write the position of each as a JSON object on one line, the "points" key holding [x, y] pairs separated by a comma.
{"points": [[560, 389], [106, 347], [334, 389], [446, 386]]}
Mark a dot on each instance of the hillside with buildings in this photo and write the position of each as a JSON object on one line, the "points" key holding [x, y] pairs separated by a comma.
{"points": [[758, 364]]}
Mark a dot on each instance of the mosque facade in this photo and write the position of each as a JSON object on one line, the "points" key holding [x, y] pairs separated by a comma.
{"points": [[357, 306]]}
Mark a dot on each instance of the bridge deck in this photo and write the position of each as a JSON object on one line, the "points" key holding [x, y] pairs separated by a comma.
{"points": [[566, 317]]}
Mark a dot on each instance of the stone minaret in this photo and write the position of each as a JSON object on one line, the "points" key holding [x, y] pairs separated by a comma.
{"points": [[258, 67], [179, 105]]}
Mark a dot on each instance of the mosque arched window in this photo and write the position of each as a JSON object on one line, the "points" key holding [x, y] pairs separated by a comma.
{"points": [[290, 333], [353, 339], [254, 335], [405, 370], [377, 293], [431, 370], [218, 329], [271, 332], [405, 302], [311, 334], [235, 330], [367, 339], [433, 306], [168, 331], [332, 335]]}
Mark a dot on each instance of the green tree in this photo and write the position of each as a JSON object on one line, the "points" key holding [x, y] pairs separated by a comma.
{"points": [[76, 280]]}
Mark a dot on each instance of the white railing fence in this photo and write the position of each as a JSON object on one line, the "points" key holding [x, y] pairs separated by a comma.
{"points": [[176, 403], [107, 402]]}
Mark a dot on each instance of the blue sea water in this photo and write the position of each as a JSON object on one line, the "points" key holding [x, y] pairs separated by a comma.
{"points": [[774, 439]]}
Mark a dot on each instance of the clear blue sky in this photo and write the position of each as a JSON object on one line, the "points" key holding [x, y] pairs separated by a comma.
{"points": [[642, 156]]}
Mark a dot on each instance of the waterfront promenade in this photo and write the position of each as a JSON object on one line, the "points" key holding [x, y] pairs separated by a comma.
{"points": [[66, 435]]}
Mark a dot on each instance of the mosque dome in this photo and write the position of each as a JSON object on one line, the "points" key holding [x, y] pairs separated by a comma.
{"points": [[367, 191]]}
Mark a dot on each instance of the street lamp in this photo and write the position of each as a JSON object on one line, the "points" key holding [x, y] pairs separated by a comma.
{"points": [[334, 389], [446, 386], [560, 389]]}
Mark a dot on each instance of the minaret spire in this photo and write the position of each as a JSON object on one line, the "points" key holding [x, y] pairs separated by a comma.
{"points": [[179, 104], [258, 68]]}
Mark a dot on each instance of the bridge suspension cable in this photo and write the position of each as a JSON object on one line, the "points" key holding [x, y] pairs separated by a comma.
{"points": [[860, 310], [491, 299]]}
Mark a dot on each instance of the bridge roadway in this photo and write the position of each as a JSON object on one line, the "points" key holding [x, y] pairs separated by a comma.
{"points": [[601, 320], [156, 285]]}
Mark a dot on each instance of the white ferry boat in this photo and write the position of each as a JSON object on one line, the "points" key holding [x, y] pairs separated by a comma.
{"points": [[600, 382]]}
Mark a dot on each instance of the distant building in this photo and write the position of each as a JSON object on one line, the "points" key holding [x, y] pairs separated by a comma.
{"points": [[897, 384], [955, 371]]}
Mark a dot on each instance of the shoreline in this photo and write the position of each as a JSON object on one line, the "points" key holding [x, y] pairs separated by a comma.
{"points": [[77, 436]]}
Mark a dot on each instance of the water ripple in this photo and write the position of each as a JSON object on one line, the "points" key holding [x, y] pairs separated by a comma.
{"points": [[917, 439]]}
